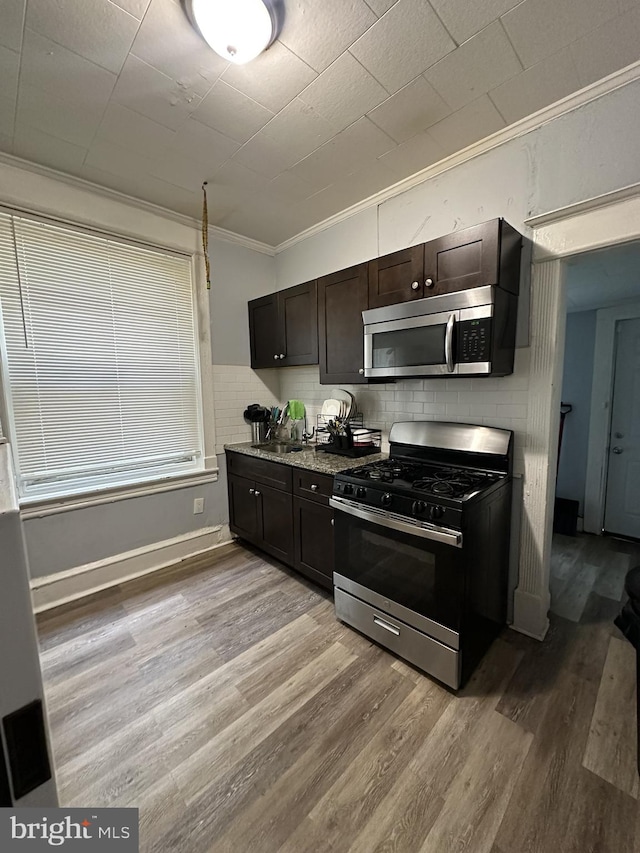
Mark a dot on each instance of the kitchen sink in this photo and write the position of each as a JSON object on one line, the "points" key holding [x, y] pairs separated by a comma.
{"points": [[280, 447]]}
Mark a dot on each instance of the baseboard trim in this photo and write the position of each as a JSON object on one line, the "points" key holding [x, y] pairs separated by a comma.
{"points": [[63, 587], [530, 615]]}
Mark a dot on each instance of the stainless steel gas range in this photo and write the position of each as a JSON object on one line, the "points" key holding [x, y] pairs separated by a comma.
{"points": [[422, 545]]}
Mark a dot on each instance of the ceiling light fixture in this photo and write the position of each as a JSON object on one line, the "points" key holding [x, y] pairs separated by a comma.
{"points": [[238, 30]]}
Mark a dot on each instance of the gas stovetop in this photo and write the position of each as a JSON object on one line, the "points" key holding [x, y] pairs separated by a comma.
{"points": [[421, 479]]}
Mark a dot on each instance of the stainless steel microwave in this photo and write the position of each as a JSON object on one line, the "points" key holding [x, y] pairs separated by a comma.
{"points": [[469, 332]]}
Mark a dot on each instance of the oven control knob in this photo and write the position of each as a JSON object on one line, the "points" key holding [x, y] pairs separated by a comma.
{"points": [[348, 489], [386, 499], [436, 512], [361, 492], [418, 507]]}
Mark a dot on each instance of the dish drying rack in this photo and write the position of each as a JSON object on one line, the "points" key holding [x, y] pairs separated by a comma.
{"points": [[335, 435]]}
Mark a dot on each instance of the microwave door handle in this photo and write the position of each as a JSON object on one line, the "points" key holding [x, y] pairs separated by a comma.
{"points": [[448, 342]]}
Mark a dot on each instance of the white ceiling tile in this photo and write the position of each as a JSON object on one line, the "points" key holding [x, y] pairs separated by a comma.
{"points": [[53, 115], [403, 43], [6, 141], [178, 171], [541, 28], [9, 65], [12, 17], [288, 187], [471, 70], [413, 108], [344, 92], [412, 156], [608, 48], [463, 19], [167, 41], [234, 175], [380, 6], [145, 187], [538, 86], [264, 156], [263, 218], [298, 129], [116, 160], [475, 121], [232, 113], [96, 29], [151, 93], [199, 142], [273, 79], [136, 132], [52, 68], [350, 189], [137, 8], [345, 153], [7, 118], [222, 200], [42, 148], [319, 32]]}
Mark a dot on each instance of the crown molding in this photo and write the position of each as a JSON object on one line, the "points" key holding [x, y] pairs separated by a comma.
{"points": [[520, 128], [132, 201]]}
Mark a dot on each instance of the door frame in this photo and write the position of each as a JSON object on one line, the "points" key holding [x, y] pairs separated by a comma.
{"points": [[608, 220], [600, 416]]}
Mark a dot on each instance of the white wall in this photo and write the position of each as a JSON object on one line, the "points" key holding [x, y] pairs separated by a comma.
{"points": [[576, 390], [72, 539]]}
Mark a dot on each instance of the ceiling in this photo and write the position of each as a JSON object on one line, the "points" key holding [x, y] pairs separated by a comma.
{"points": [[352, 97], [604, 278]]}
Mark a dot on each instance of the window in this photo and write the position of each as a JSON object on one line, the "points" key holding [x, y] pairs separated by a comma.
{"points": [[100, 359]]}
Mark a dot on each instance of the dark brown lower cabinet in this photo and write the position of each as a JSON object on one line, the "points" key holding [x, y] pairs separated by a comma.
{"points": [[285, 512], [313, 537], [262, 515]]}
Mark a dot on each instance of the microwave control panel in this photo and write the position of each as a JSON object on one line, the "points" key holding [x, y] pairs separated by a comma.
{"points": [[474, 340]]}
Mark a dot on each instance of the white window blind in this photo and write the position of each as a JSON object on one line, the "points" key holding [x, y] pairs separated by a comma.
{"points": [[101, 356]]}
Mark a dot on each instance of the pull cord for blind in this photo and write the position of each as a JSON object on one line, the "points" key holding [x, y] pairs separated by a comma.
{"points": [[205, 235], [19, 276]]}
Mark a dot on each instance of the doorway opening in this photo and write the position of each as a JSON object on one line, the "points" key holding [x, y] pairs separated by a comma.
{"points": [[597, 511]]}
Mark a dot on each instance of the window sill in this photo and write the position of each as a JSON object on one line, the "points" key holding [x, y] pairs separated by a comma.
{"points": [[39, 507]]}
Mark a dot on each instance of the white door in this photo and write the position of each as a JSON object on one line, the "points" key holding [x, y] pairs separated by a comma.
{"points": [[622, 508]]}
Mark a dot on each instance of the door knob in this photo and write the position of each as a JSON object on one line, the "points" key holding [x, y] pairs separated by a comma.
{"points": [[415, 285], [616, 450]]}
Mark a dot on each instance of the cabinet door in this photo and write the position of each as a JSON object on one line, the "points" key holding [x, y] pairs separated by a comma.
{"points": [[313, 531], [275, 522], [298, 313], [264, 332], [243, 507], [397, 277], [464, 259], [342, 297]]}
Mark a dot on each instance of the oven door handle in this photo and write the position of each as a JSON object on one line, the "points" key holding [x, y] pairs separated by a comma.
{"points": [[448, 343], [386, 519]]}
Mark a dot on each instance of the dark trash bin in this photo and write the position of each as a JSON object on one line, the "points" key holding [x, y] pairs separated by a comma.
{"points": [[628, 621]]}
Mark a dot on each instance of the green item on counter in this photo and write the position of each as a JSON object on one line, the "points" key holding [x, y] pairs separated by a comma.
{"points": [[296, 410]]}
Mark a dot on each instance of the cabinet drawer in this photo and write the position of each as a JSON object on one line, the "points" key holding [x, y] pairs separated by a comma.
{"points": [[268, 473], [310, 484]]}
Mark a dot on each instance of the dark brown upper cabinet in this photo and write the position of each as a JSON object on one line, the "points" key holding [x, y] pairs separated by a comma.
{"points": [[397, 277], [283, 327], [342, 297], [484, 254]]}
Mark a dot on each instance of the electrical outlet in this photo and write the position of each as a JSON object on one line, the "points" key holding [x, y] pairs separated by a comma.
{"points": [[198, 506]]}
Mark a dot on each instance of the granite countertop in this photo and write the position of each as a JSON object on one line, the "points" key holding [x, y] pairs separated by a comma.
{"points": [[325, 463]]}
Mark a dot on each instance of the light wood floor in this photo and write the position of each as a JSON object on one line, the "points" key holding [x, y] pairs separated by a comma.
{"points": [[225, 701]]}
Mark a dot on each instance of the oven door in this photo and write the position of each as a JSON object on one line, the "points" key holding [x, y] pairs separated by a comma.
{"points": [[406, 574], [412, 346]]}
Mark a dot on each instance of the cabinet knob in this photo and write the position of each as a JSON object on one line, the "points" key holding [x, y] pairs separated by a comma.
{"points": [[282, 355], [333, 522], [314, 487], [276, 357], [252, 491], [257, 493], [428, 282], [361, 371], [415, 285], [617, 450]]}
